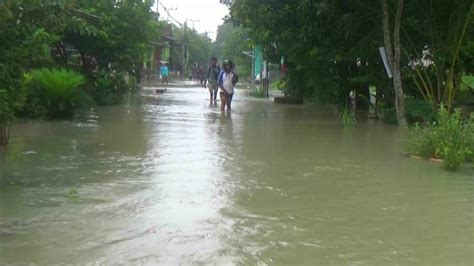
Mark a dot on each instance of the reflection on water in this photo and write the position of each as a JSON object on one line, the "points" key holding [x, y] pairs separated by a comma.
{"points": [[175, 181]]}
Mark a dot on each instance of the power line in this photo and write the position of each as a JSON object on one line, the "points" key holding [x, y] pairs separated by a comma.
{"points": [[167, 10]]}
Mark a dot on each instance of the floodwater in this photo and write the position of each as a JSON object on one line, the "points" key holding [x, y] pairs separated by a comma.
{"points": [[174, 181]]}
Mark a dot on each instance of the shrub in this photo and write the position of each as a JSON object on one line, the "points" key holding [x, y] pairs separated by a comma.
{"points": [[419, 111], [54, 92], [110, 87], [422, 142], [470, 138], [449, 130], [453, 157], [35, 100], [449, 138]]}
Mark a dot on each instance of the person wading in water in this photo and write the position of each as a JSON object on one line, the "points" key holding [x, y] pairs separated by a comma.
{"points": [[210, 80], [164, 73], [226, 81]]}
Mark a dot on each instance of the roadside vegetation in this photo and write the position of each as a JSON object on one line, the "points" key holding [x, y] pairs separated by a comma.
{"points": [[331, 50], [61, 56], [449, 138], [429, 48]]}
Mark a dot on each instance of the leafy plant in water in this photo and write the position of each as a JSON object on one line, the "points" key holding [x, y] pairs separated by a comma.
{"points": [[449, 138], [60, 89], [14, 156], [454, 138], [453, 157], [58, 83], [422, 141], [110, 87], [347, 117], [470, 138], [73, 194]]}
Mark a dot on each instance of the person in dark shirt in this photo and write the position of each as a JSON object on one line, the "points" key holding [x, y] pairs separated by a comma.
{"points": [[210, 79]]}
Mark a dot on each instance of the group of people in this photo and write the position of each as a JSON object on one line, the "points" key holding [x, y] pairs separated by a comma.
{"points": [[223, 80], [215, 79], [197, 73]]}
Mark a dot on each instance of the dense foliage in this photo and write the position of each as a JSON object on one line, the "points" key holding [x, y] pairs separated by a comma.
{"points": [[331, 47], [98, 39], [56, 92]]}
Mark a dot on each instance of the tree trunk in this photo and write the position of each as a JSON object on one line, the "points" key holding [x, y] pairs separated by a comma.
{"points": [[3, 135], [393, 54], [397, 75], [387, 35]]}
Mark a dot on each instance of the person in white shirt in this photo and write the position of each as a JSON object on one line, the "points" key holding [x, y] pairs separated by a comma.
{"points": [[227, 80]]}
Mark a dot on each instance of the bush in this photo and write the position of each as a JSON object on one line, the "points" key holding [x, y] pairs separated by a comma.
{"points": [[110, 87], [449, 138], [54, 93], [419, 111], [470, 138], [453, 157], [422, 142]]}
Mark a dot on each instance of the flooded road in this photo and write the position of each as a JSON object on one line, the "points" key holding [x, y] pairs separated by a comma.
{"points": [[174, 181]]}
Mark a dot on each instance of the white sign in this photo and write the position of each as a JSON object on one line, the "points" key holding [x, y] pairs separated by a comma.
{"points": [[383, 54]]}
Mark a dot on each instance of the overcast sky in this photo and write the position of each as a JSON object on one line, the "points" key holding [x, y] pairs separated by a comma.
{"points": [[208, 12]]}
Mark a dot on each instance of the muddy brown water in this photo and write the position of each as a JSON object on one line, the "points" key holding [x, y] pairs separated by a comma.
{"points": [[174, 181]]}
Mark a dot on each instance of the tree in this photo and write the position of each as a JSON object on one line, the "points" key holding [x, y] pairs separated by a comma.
{"points": [[230, 42], [439, 43], [393, 54], [103, 32], [199, 49], [23, 45], [331, 46], [322, 41]]}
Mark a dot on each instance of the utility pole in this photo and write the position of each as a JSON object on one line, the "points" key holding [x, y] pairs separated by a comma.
{"points": [[185, 47], [195, 20]]}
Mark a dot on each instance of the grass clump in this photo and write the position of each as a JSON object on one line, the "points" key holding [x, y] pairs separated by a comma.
{"points": [[347, 117]]}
